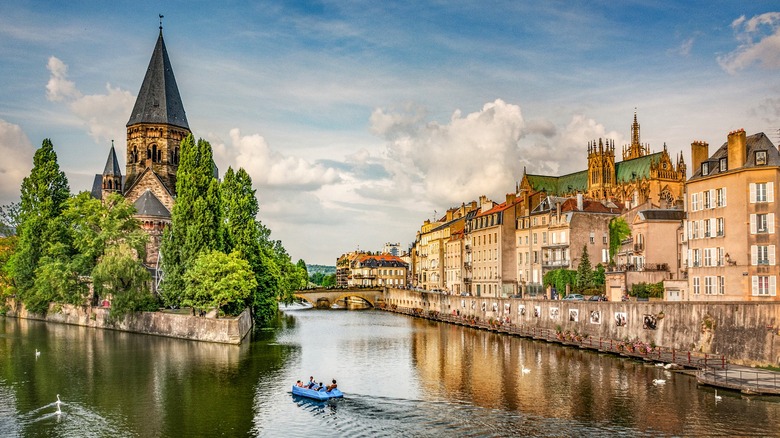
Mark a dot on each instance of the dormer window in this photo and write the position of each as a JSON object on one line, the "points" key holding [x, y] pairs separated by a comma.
{"points": [[724, 164], [705, 168], [760, 158]]}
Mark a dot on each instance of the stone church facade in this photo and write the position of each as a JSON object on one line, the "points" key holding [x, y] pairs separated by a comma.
{"points": [[155, 130], [640, 177]]}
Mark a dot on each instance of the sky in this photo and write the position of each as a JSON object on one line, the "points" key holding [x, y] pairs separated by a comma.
{"points": [[359, 120]]}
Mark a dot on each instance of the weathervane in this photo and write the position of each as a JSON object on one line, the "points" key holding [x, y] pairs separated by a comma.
{"points": [[161, 17]]}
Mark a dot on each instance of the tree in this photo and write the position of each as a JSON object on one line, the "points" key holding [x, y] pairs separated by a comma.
{"points": [[599, 276], [303, 274], [218, 280], [10, 217], [121, 274], [329, 280], [618, 231], [584, 271], [559, 278], [7, 248], [196, 218], [43, 192]]}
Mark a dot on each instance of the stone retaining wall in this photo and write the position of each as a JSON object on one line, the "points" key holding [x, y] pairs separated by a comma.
{"points": [[223, 330], [746, 333]]}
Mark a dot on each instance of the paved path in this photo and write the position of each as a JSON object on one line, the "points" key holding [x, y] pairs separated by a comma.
{"points": [[741, 378]]}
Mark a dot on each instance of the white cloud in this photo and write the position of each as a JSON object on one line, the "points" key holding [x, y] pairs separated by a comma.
{"points": [[17, 153], [686, 46], [104, 115], [269, 168], [759, 39]]}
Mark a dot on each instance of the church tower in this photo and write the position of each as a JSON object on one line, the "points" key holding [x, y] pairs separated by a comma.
{"points": [[601, 169], [112, 175], [635, 149], [155, 130]]}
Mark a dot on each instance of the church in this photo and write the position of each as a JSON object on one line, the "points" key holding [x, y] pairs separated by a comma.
{"points": [[155, 130], [642, 176]]}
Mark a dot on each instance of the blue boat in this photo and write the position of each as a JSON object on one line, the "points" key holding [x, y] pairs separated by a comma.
{"points": [[316, 395]]}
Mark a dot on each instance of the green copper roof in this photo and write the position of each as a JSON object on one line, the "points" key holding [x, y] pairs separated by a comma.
{"points": [[635, 169]]}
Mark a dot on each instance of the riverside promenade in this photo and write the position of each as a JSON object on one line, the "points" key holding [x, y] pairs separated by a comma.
{"points": [[712, 370]]}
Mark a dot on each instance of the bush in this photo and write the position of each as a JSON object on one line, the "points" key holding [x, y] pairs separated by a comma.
{"points": [[647, 290]]}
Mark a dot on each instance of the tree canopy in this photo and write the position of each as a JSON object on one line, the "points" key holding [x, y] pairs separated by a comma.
{"points": [[618, 231]]}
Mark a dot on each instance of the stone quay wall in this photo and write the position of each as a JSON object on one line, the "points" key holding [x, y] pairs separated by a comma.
{"points": [[195, 328], [745, 333]]}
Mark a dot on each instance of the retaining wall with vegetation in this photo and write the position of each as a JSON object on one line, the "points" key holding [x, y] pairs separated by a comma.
{"points": [[223, 330], [746, 333]]}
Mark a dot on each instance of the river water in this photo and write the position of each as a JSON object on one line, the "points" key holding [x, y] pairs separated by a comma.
{"points": [[401, 377]]}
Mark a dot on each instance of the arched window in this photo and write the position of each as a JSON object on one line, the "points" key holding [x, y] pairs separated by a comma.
{"points": [[154, 153]]}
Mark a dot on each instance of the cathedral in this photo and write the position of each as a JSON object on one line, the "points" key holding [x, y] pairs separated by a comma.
{"points": [[640, 177], [155, 130]]}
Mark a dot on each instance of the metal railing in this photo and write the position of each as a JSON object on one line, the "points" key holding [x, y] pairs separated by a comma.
{"points": [[744, 380]]}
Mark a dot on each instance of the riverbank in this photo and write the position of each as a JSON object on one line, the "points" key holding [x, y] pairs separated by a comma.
{"points": [[223, 330]]}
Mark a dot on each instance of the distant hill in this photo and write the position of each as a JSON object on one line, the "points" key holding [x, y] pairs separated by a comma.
{"points": [[326, 270]]}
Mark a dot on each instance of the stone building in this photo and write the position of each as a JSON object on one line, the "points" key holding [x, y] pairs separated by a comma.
{"points": [[640, 177], [378, 270], [730, 228], [156, 127]]}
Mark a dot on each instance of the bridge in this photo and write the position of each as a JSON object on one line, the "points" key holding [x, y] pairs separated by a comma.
{"points": [[324, 298]]}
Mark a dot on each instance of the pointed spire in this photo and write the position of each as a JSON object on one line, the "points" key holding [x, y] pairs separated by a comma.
{"points": [[112, 164], [158, 100]]}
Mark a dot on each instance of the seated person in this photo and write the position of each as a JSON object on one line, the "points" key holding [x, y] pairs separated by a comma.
{"points": [[321, 388], [311, 383], [299, 384], [332, 387]]}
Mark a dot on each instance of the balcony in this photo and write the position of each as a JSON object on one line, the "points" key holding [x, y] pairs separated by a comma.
{"points": [[639, 247], [555, 245], [555, 263]]}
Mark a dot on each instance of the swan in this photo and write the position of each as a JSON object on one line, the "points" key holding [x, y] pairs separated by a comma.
{"points": [[59, 411], [717, 397], [58, 400], [668, 366], [526, 370], [659, 381], [659, 364], [37, 353]]}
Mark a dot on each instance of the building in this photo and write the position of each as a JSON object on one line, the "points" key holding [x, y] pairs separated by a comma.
{"points": [[641, 176], [383, 270], [392, 248], [492, 245], [730, 228], [157, 125]]}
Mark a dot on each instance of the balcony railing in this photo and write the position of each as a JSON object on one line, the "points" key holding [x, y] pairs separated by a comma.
{"points": [[555, 263]]}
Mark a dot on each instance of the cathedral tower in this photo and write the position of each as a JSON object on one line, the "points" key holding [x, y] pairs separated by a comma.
{"points": [[155, 130], [112, 175], [601, 169]]}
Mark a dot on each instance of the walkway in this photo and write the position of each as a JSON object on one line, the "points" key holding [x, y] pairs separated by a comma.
{"points": [[712, 369]]}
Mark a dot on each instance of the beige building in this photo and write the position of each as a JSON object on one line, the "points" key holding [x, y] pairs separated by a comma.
{"points": [[383, 270], [730, 229], [493, 251]]}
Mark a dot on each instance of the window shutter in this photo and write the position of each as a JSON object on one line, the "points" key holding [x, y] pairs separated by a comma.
{"points": [[770, 223], [755, 285], [690, 259], [752, 193], [753, 255], [771, 255], [713, 227], [724, 196], [752, 224], [770, 192], [772, 285], [712, 198], [701, 228]]}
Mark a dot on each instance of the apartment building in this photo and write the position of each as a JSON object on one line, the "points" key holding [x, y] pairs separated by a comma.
{"points": [[730, 228], [378, 270], [492, 247]]}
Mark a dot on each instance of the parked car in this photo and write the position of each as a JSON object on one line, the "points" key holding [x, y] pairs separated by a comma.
{"points": [[574, 297], [598, 298]]}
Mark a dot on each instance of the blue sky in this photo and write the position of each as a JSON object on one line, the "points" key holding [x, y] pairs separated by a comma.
{"points": [[357, 120]]}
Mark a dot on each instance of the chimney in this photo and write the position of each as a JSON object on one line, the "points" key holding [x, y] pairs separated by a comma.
{"points": [[699, 154], [558, 210], [510, 198], [579, 201], [737, 149]]}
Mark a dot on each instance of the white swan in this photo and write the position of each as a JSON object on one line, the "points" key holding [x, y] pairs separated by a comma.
{"points": [[659, 364], [37, 353], [668, 366], [717, 397], [526, 370], [59, 411], [659, 381]]}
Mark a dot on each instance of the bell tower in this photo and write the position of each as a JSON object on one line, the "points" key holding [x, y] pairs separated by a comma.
{"points": [[112, 175], [157, 125]]}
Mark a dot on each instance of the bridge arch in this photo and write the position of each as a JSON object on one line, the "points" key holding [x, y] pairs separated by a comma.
{"points": [[315, 296]]}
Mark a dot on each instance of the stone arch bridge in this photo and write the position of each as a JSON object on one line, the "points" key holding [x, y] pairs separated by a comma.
{"points": [[324, 298]]}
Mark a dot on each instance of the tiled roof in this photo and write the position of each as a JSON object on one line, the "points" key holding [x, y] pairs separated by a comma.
{"points": [[158, 100], [662, 215], [112, 164], [148, 205], [753, 143], [637, 168]]}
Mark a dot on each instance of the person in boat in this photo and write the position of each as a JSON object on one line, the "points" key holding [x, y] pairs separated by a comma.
{"points": [[299, 384], [332, 387], [321, 388], [312, 383]]}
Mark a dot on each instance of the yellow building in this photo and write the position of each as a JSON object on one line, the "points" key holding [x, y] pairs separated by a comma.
{"points": [[730, 229], [641, 176]]}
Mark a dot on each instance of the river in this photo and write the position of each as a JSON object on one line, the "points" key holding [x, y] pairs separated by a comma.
{"points": [[401, 377]]}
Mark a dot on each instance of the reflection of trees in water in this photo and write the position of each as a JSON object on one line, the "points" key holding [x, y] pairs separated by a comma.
{"points": [[151, 385]]}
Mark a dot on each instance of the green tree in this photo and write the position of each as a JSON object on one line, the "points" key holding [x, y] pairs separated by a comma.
{"points": [[218, 280], [329, 280], [7, 248], [599, 276], [43, 194], [121, 274], [559, 278], [303, 274], [618, 231], [196, 218], [584, 271], [10, 217]]}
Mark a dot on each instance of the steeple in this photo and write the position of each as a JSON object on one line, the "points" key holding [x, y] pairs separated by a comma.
{"points": [[112, 164], [112, 175], [158, 100], [635, 149]]}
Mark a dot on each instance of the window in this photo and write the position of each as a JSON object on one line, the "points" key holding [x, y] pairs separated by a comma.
{"points": [[592, 238], [705, 168], [604, 239], [707, 228], [709, 285], [696, 258], [535, 240], [760, 158], [764, 285], [707, 199], [762, 255], [720, 227], [707, 257], [544, 237], [696, 286], [720, 194], [724, 164], [721, 285], [761, 192], [762, 223], [695, 201], [536, 256], [604, 256]]}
